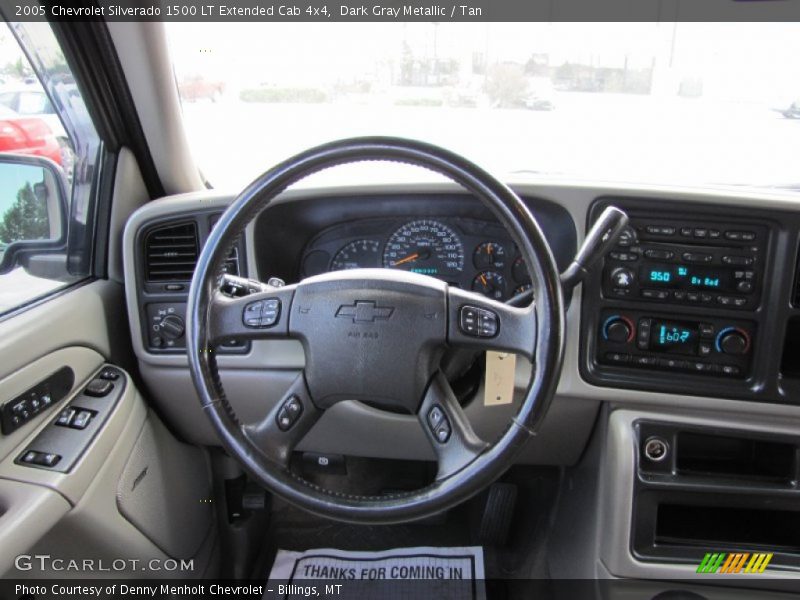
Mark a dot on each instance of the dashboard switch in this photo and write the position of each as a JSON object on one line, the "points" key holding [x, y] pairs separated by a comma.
{"points": [[42, 459], [98, 388], [65, 418], [81, 419], [478, 322]]}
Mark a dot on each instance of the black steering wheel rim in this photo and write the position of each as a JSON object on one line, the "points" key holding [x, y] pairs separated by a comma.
{"points": [[548, 345]]}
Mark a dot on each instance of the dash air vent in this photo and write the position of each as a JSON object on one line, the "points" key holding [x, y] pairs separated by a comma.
{"points": [[171, 252]]}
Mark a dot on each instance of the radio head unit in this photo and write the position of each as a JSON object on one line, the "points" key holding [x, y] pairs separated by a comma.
{"points": [[678, 263]]}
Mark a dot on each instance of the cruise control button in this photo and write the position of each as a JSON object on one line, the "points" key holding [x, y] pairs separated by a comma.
{"points": [[435, 415], [442, 433], [289, 413]]}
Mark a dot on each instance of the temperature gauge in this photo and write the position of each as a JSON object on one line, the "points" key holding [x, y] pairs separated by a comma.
{"points": [[491, 284]]}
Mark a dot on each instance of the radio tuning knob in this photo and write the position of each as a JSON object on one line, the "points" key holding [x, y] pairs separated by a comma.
{"points": [[622, 278]]}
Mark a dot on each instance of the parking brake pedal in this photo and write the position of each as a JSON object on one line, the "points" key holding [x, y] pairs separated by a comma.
{"points": [[495, 522]]}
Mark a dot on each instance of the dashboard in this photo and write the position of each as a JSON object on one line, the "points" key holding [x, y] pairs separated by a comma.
{"points": [[668, 317], [685, 336], [467, 253]]}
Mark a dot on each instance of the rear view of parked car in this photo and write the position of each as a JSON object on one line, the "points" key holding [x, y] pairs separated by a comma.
{"points": [[27, 135]]}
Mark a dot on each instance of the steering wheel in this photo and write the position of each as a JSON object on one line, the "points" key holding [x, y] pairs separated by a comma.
{"points": [[375, 335]]}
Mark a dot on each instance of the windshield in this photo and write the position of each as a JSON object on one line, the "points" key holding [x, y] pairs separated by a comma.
{"points": [[673, 103]]}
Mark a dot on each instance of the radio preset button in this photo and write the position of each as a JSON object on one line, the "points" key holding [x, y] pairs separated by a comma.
{"points": [[697, 257], [660, 229], [700, 232], [624, 256], [655, 294], [738, 260], [740, 236], [659, 254]]}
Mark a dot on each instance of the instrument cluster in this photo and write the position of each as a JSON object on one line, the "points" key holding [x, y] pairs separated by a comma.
{"points": [[467, 253]]}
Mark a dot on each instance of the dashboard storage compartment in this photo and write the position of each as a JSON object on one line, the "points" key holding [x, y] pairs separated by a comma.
{"points": [[712, 489], [742, 528], [704, 455]]}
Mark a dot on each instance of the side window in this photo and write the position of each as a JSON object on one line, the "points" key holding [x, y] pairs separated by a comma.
{"points": [[49, 156]]}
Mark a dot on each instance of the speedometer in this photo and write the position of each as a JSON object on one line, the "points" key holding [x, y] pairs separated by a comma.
{"points": [[427, 247]]}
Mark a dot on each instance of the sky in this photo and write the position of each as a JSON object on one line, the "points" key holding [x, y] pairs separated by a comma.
{"points": [[743, 60]]}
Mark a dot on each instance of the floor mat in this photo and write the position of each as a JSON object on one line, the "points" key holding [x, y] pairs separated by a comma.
{"points": [[400, 573]]}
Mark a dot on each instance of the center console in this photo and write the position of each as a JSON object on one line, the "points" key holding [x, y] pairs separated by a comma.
{"points": [[678, 300]]}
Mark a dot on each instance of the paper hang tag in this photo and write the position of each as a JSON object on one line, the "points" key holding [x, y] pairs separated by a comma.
{"points": [[499, 379]]}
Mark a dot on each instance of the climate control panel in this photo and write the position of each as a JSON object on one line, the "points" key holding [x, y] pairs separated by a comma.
{"points": [[648, 340]]}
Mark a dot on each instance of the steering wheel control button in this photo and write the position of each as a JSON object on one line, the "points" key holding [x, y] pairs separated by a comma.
{"points": [[439, 424], [289, 413], [435, 417], [270, 312], [478, 322], [98, 388], [262, 313], [442, 433]]}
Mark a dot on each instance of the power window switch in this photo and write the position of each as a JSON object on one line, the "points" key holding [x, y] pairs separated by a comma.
{"points": [[98, 388], [81, 420], [66, 416], [42, 459]]}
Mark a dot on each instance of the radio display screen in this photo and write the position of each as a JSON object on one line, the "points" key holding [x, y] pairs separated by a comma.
{"points": [[674, 337], [687, 277]]}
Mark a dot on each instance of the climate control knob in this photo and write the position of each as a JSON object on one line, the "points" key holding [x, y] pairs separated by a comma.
{"points": [[733, 341], [172, 327], [618, 329]]}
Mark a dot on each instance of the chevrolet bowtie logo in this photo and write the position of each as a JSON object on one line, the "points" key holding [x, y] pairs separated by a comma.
{"points": [[364, 312]]}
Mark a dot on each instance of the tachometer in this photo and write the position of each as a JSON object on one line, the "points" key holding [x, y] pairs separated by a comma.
{"points": [[357, 255], [427, 247]]}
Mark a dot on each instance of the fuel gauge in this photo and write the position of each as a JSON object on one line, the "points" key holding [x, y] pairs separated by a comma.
{"points": [[489, 255]]}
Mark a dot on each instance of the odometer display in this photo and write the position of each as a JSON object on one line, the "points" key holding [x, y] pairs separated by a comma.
{"points": [[425, 246]]}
